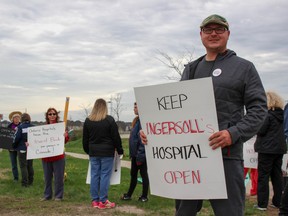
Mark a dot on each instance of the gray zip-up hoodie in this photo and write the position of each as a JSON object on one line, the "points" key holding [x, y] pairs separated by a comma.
{"points": [[237, 85]]}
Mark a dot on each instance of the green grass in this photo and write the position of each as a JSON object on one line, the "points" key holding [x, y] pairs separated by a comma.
{"points": [[76, 147], [16, 200]]}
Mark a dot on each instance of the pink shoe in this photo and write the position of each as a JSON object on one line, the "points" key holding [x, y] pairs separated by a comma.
{"points": [[95, 204], [106, 204]]}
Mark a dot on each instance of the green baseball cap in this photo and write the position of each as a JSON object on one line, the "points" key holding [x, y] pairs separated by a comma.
{"points": [[215, 19]]}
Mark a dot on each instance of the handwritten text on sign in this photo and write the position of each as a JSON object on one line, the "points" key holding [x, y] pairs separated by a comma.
{"points": [[249, 154], [45, 141], [6, 137], [178, 119]]}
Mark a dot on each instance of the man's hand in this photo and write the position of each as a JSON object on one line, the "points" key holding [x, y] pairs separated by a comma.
{"points": [[220, 139], [143, 137]]}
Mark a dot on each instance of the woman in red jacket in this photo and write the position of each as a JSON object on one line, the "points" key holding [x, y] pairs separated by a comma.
{"points": [[54, 166]]}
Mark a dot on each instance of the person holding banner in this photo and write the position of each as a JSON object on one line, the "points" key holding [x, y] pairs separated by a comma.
{"points": [[20, 145], [270, 145], [138, 161], [284, 200], [237, 86], [15, 122], [100, 140], [54, 166]]}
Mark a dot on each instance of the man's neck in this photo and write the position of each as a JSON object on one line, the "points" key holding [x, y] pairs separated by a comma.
{"points": [[212, 55]]}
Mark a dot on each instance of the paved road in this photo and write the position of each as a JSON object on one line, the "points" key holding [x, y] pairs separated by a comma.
{"points": [[124, 163]]}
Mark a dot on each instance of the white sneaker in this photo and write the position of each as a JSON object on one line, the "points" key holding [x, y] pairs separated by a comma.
{"points": [[259, 208]]}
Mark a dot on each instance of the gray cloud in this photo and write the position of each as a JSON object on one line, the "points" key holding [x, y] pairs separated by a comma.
{"points": [[87, 49]]}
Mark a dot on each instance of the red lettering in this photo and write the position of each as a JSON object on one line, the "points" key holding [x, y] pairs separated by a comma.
{"points": [[168, 177], [196, 177], [177, 175], [182, 177], [210, 128], [197, 126], [179, 127], [186, 174]]}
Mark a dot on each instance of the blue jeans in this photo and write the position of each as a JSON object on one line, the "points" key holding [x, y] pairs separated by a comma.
{"points": [[13, 159], [101, 170]]}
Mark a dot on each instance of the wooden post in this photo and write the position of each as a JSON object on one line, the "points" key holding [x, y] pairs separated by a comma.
{"points": [[66, 111]]}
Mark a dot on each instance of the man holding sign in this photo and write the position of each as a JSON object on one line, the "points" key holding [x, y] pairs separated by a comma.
{"points": [[236, 85]]}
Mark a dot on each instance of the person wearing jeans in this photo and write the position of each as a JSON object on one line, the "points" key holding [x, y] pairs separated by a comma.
{"points": [[101, 170], [100, 141]]}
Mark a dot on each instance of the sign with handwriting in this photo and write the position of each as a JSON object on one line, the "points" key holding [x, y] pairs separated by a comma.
{"points": [[284, 166], [45, 141], [249, 154], [6, 137], [178, 118]]}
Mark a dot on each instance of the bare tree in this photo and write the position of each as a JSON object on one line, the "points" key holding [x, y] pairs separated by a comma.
{"points": [[86, 109], [116, 105], [176, 64]]}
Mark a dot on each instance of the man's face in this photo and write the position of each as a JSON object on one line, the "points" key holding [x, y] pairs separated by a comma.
{"points": [[215, 42], [135, 110]]}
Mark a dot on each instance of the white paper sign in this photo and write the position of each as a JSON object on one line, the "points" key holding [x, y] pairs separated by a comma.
{"points": [[116, 172], [285, 163], [178, 119], [45, 141], [249, 154]]}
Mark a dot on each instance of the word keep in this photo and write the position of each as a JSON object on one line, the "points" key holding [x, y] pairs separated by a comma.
{"points": [[171, 102]]}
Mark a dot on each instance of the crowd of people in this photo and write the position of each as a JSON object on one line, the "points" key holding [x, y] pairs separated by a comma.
{"points": [[53, 167], [237, 87], [100, 140]]}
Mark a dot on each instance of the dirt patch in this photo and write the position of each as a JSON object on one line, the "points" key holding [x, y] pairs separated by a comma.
{"points": [[2, 173], [65, 209], [131, 210]]}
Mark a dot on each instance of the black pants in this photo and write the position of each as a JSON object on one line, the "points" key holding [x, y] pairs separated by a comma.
{"points": [[134, 175], [27, 171], [284, 202], [269, 165]]}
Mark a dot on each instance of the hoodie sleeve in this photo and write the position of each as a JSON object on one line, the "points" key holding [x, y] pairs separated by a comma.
{"points": [[255, 104], [85, 138], [116, 137]]}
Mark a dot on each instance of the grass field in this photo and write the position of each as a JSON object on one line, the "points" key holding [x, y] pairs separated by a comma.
{"points": [[16, 200]]}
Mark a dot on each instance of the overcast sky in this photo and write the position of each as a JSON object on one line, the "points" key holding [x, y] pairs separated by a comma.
{"points": [[87, 49]]}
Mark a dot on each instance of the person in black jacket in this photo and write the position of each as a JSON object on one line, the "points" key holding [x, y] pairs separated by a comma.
{"points": [[20, 145], [100, 140], [138, 160], [270, 145]]}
